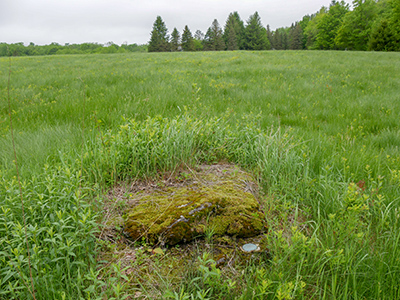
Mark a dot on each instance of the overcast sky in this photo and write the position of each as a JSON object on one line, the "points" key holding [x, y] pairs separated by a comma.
{"points": [[77, 21]]}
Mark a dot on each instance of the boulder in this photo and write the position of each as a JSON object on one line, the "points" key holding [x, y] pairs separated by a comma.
{"points": [[215, 200]]}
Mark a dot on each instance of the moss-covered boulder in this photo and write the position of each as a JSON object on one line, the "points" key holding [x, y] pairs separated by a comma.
{"points": [[214, 200]]}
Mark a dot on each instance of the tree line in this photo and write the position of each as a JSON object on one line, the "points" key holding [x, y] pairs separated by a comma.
{"points": [[234, 36], [369, 25], [19, 49], [372, 25]]}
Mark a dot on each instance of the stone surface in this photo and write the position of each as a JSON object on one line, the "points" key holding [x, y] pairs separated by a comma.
{"points": [[214, 200]]}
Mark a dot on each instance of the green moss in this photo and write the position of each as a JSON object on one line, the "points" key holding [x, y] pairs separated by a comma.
{"points": [[217, 202]]}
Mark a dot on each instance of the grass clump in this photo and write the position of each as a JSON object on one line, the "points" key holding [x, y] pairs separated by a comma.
{"points": [[157, 145]]}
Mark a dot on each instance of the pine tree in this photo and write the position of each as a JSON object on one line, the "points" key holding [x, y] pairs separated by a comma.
{"points": [[208, 40], [255, 34], [269, 35], [230, 34], [395, 23], [296, 37], [231, 40], [395, 15], [218, 36], [214, 37], [383, 38], [277, 40], [285, 40], [187, 40], [159, 37], [239, 29], [175, 40], [234, 32], [290, 36]]}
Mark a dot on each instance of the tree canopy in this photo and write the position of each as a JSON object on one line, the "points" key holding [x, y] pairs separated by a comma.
{"points": [[187, 40], [256, 37], [19, 49], [234, 32], [175, 40], [369, 25], [213, 40], [159, 40]]}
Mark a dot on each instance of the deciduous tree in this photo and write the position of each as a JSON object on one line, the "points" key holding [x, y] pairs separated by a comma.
{"points": [[355, 29], [311, 31], [329, 24], [198, 40]]}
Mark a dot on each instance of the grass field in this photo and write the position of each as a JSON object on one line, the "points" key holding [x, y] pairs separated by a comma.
{"points": [[320, 131]]}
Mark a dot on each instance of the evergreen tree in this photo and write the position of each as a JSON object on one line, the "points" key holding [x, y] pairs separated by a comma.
{"points": [[277, 40], [296, 37], [285, 40], [214, 38], [175, 40], [290, 36], [395, 23], [269, 35], [208, 40], [231, 40], [255, 34], [385, 33], [239, 29], [218, 36], [280, 39], [395, 15], [384, 38], [187, 40], [159, 37], [233, 32]]}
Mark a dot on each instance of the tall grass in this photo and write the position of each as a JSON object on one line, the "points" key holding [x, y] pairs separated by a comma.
{"points": [[319, 129], [329, 95]]}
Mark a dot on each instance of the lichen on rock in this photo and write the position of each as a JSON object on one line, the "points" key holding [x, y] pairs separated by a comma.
{"points": [[217, 200]]}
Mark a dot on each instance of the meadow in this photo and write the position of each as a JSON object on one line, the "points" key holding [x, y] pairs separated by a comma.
{"points": [[319, 130]]}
